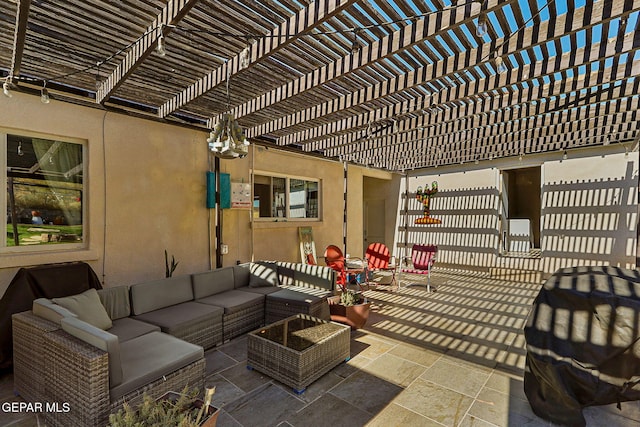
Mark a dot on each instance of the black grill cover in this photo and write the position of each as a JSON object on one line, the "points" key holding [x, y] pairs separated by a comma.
{"points": [[582, 342], [43, 281]]}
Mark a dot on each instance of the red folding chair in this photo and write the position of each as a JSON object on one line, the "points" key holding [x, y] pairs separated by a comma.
{"points": [[334, 258], [422, 259], [379, 259]]}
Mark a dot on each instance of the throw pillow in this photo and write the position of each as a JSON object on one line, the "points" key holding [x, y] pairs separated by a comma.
{"points": [[87, 307], [263, 274]]}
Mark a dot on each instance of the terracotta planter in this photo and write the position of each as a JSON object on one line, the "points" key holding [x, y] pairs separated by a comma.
{"points": [[354, 315]]}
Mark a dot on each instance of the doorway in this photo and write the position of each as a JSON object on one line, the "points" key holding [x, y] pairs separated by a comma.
{"points": [[520, 209], [374, 222]]}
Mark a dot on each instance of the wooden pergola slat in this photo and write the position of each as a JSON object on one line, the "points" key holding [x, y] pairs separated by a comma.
{"points": [[305, 20], [173, 12], [22, 16]]}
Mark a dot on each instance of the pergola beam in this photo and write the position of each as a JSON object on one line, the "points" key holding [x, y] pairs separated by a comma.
{"points": [[172, 13], [305, 20], [531, 37], [395, 42], [481, 144], [614, 96], [546, 97], [19, 35]]}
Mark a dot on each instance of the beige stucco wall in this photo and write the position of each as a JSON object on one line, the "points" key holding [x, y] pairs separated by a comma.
{"points": [[589, 211], [147, 191], [467, 205], [278, 239]]}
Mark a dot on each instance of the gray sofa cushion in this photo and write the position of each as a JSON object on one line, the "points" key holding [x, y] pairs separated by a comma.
{"points": [[241, 275], [87, 307], [212, 282], [305, 275], [157, 294], [234, 300], [263, 273], [128, 328], [46, 309], [264, 290], [179, 316], [149, 357], [116, 301], [98, 338], [299, 295]]}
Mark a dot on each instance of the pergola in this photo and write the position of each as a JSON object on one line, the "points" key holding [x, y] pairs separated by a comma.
{"points": [[398, 85]]}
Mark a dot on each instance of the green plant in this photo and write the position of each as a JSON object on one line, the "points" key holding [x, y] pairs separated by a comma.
{"points": [[351, 298], [169, 269], [181, 412]]}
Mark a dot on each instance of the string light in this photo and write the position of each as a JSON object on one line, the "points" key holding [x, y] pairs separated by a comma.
{"points": [[6, 88], [20, 152], [160, 48], [501, 67], [44, 94], [565, 156], [482, 28], [244, 58], [355, 46]]}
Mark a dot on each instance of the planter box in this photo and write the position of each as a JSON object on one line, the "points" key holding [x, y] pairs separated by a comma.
{"points": [[209, 419], [355, 316], [298, 350]]}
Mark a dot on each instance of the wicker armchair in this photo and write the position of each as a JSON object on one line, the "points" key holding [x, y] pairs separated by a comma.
{"points": [[75, 375]]}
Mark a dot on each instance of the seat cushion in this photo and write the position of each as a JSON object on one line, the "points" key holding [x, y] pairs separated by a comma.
{"points": [[264, 290], [234, 300], [128, 328], [87, 307], [299, 295], [149, 357], [178, 316]]}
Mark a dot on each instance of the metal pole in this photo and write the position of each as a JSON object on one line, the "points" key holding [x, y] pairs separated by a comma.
{"points": [[218, 214]]}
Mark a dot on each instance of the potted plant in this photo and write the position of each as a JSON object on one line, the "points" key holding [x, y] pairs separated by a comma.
{"points": [[169, 410], [350, 308]]}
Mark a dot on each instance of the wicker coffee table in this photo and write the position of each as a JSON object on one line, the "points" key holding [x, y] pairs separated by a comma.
{"points": [[298, 350]]}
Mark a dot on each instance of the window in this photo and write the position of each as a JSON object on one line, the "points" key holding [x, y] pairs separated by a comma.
{"points": [[44, 193], [283, 197]]}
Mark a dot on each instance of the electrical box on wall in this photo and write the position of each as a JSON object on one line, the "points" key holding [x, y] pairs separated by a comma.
{"points": [[225, 190]]}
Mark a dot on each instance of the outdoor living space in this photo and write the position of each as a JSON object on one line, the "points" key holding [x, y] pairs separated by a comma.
{"points": [[453, 357]]}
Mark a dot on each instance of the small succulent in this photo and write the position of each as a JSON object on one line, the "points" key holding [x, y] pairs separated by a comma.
{"points": [[351, 298]]}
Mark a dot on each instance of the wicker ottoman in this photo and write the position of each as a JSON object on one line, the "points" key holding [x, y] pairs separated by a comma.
{"points": [[288, 302], [298, 350]]}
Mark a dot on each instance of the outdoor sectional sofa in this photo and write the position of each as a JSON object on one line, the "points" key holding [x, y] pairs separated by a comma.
{"points": [[152, 335]]}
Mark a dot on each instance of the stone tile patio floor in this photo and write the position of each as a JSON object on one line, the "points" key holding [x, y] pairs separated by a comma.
{"points": [[454, 357]]}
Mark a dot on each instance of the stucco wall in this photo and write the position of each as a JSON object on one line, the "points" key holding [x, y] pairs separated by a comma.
{"points": [[278, 240], [589, 211], [147, 191], [467, 205]]}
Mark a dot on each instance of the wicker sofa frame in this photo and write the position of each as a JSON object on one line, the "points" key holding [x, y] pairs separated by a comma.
{"points": [[50, 365]]}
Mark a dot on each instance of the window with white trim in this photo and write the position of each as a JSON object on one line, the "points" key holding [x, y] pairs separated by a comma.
{"points": [[44, 182], [286, 197]]}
